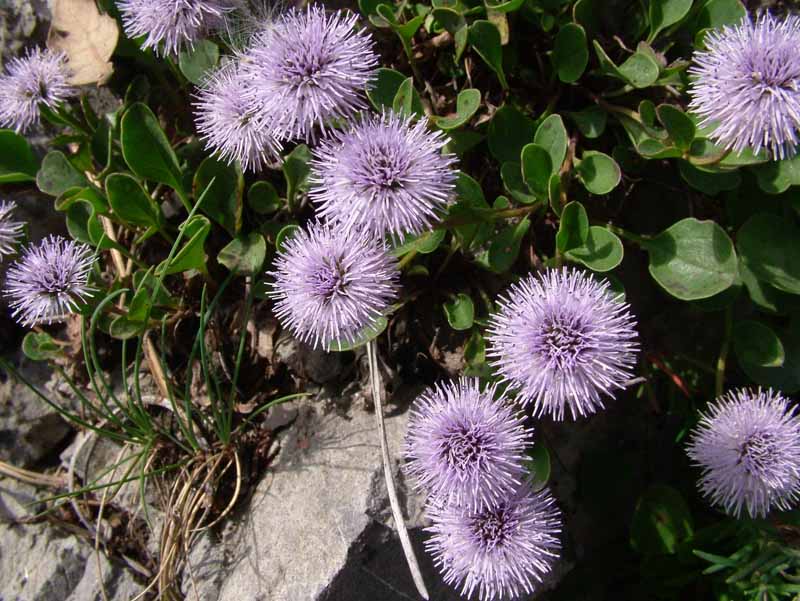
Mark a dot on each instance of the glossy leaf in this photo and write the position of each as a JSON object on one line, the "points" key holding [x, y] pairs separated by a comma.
{"points": [[467, 104], [661, 521], [460, 312], [537, 167], [571, 52], [598, 172], [573, 228], [664, 13], [552, 136], [222, 202], [192, 254], [509, 131], [768, 246], [198, 60], [602, 251], [262, 197], [131, 203], [484, 37], [756, 344], [17, 163], [382, 91], [57, 175], [244, 254]]}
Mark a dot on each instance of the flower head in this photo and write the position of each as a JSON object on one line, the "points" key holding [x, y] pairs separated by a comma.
{"points": [[330, 284], [562, 340], [10, 230], [463, 446], [310, 68], [49, 280], [748, 447], [747, 83], [384, 173], [175, 23], [502, 550], [228, 122], [40, 78]]}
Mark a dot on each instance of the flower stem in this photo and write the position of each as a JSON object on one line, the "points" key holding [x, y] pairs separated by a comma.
{"points": [[397, 514], [719, 381]]}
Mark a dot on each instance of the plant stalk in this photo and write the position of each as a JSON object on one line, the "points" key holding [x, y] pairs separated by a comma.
{"points": [[397, 514]]}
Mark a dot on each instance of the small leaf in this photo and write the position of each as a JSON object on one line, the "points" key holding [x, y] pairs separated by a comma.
{"points": [[768, 248], [591, 121], [775, 177], [40, 346], [511, 173], [296, 170], [679, 126], [192, 255], [552, 136], [382, 91], [371, 332], [692, 259], [131, 203], [709, 182], [640, 70], [509, 131], [244, 254], [664, 13], [57, 175], [538, 465], [757, 344], [196, 61], [536, 169], [424, 243], [573, 229], [284, 234], [262, 197], [17, 163], [504, 248], [715, 14], [460, 312], [602, 251], [661, 521], [467, 104], [407, 100], [222, 201], [598, 172], [485, 39], [571, 52]]}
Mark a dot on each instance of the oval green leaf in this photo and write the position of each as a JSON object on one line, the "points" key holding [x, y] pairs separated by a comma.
{"points": [[598, 172]]}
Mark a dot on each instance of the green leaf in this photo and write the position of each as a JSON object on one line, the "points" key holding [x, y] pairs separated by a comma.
{"points": [[382, 91], [244, 254], [765, 297], [146, 149], [679, 126], [757, 344], [131, 203], [768, 247], [484, 37], [284, 235], [371, 332], [262, 197], [475, 348], [223, 200], [17, 163], [511, 173], [424, 243], [460, 312], [537, 166], [467, 104], [509, 131], [785, 378], [640, 70], [538, 465], [602, 251], [40, 346], [552, 136], [470, 202], [192, 255], [573, 229], [591, 121], [407, 100], [88, 194], [708, 182], [571, 52], [692, 259], [715, 14], [197, 61], [296, 170], [661, 521], [598, 172], [775, 177], [664, 13], [57, 175], [504, 248]]}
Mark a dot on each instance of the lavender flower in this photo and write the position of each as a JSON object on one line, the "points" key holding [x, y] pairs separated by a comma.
{"points": [[330, 284], [175, 23], [464, 447], [747, 82], [310, 68], [748, 447], [49, 280], [10, 230], [500, 551], [40, 78], [228, 121], [562, 340], [385, 174]]}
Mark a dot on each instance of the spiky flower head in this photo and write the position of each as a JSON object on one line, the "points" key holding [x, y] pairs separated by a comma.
{"points": [[748, 446], [228, 121], [464, 446], [330, 284], [40, 78], [384, 173], [170, 25], [311, 68], [499, 551], [49, 281], [747, 85], [10, 230], [562, 340]]}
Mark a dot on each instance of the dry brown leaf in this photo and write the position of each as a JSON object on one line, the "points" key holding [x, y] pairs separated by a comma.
{"points": [[87, 37]]}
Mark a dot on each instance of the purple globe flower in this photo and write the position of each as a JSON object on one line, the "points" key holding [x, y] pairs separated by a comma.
{"points": [[384, 173], [310, 68], [49, 281], [747, 84], [501, 551], [40, 78], [10, 230], [748, 447], [463, 447], [331, 284], [228, 121], [562, 339], [175, 23]]}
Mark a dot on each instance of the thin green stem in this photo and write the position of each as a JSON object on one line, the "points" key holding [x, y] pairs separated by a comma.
{"points": [[719, 380]]}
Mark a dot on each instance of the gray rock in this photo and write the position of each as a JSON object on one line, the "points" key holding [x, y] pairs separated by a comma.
{"points": [[18, 24]]}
